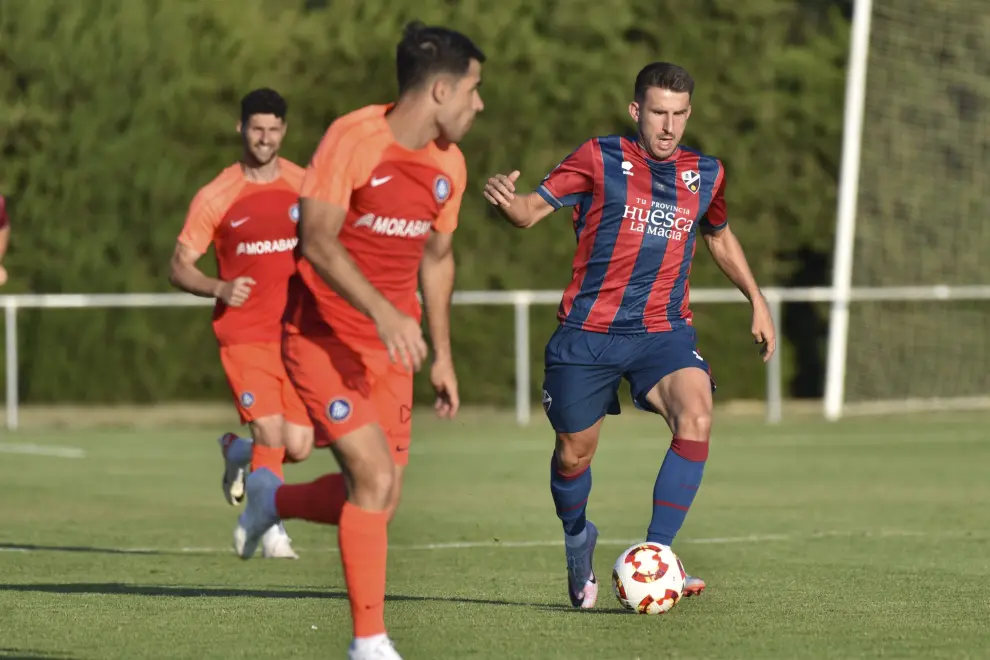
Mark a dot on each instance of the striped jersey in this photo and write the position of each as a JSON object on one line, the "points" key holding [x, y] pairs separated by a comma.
{"points": [[636, 222]]}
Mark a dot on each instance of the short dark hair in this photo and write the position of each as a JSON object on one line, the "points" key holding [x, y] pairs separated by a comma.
{"points": [[665, 76], [264, 101], [425, 51]]}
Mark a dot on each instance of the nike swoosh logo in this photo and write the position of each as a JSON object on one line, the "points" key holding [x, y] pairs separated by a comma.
{"points": [[237, 223], [375, 182]]}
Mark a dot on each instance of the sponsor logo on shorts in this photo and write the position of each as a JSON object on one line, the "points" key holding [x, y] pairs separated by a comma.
{"points": [[338, 410], [294, 213], [547, 400], [247, 399], [700, 359], [405, 413], [441, 188]]}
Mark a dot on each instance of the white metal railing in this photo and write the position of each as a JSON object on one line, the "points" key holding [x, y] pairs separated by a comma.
{"points": [[520, 300]]}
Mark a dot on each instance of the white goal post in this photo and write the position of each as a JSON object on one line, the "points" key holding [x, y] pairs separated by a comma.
{"points": [[912, 212]]}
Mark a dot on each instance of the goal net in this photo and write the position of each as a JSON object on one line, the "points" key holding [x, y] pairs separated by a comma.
{"points": [[923, 210]]}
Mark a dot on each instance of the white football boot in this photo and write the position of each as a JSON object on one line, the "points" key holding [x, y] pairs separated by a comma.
{"points": [[378, 648], [276, 544]]}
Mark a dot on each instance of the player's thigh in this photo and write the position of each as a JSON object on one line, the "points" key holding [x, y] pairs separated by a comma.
{"points": [[297, 432], [365, 458], [672, 378], [580, 381], [332, 382], [254, 373]]}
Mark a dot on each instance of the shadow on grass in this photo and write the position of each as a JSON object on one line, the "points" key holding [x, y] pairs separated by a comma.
{"points": [[30, 654], [120, 589], [31, 547]]}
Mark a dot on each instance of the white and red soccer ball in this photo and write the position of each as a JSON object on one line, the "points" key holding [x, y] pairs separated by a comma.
{"points": [[648, 578]]}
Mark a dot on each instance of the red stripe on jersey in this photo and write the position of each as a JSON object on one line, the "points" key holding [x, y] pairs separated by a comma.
{"points": [[639, 186], [586, 241], [656, 307]]}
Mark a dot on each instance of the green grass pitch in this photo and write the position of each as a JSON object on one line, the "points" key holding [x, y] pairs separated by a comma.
{"points": [[864, 539]]}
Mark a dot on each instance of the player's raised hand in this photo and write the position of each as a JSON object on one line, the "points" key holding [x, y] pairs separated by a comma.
{"points": [[763, 331], [403, 337], [444, 382], [236, 292], [501, 189]]}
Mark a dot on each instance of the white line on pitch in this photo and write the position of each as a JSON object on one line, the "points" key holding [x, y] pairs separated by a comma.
{"points": [[493, 544], [42, 450]]}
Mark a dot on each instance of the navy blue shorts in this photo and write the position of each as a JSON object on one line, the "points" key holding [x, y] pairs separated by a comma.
{"points": [[584, 370]]}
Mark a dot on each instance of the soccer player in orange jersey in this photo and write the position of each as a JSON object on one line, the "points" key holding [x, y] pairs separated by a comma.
{"points": [[4, 238], [249, 213], [379, 205]]}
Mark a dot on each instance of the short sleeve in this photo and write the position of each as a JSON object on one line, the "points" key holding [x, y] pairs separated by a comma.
{"points": [[201, 224], [330, 176], [446, 221], [4, 220], [716, 218], [572, 179]]}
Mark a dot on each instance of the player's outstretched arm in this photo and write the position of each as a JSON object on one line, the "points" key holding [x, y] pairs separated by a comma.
{"points": [[730, 257], [436, 279], [522, 211], [319, 228]]}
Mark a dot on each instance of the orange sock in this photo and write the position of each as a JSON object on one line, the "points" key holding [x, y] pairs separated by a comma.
{"points": [[320, 501], [268, 457], [363, 540]]}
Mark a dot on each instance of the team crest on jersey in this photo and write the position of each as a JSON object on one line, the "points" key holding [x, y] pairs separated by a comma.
{"points": [[692, 180], [338, 410], [294, 213], [247, 399], [441, 189]]}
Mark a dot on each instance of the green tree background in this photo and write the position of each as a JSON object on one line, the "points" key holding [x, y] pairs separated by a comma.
{"points": [[114, 112]]}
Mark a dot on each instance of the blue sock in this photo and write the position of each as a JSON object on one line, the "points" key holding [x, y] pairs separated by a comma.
{"points": [[570, 496], [677, 484]]}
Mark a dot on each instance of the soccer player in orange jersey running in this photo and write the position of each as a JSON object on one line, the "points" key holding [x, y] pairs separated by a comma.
{"points": [[249, 213], [4, 238], [379, 205]]}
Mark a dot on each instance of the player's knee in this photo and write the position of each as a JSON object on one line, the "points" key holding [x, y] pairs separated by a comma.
{"points": [[298, 443], [374, 491], [694, 425], [574, 451], [298, 452]]}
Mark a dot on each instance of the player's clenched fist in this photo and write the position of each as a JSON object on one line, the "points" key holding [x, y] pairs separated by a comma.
{"points": [[501, 188], [236, 292], [403, 337]]}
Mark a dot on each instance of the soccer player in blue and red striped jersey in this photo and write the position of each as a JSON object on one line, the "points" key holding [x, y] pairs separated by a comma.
{"points": [[640, 204]]}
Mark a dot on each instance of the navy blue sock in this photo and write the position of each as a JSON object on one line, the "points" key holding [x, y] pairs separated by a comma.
{"points": [[677, 484], [570, 496]]}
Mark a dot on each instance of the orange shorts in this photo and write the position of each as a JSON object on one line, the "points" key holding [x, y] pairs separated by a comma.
{"points": [[260, 386], [345, 387]]}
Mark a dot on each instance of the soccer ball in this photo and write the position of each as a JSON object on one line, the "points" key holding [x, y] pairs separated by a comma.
{"points": [[648, 578]]}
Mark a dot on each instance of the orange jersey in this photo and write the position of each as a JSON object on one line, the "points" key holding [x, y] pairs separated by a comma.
{"points": [[252, 227], [394, 198]]}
